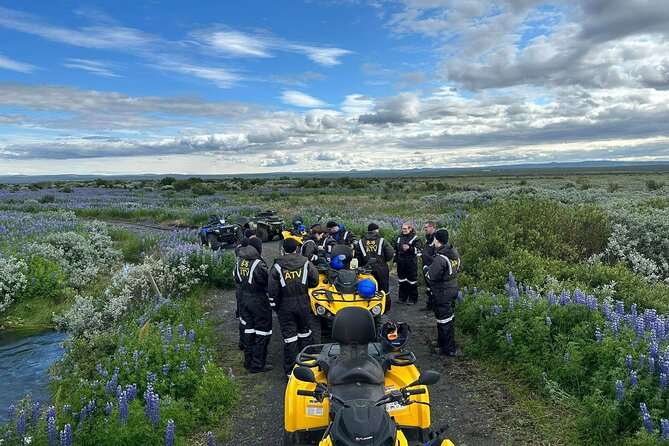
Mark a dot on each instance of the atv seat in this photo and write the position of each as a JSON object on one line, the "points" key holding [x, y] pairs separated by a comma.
{"points": [[355, 374]]}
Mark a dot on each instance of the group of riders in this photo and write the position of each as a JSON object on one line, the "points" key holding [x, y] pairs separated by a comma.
{"points": [[284, 286]]}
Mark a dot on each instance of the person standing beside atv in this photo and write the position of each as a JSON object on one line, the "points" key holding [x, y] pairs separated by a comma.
{"points": [[374, 251], [428, 252], [407, 250], [251, 277], [248, 234], [311, 243], [442, 275], [338, 235], [290, 279]]}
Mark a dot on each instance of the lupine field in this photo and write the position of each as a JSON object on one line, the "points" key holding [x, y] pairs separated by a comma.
{"points": [[565, 285]]}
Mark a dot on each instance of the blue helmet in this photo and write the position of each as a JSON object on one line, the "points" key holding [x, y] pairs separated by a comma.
{"points": [[367, 288], [337, 262]]}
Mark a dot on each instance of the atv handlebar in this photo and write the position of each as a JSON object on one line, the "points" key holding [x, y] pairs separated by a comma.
{"points": [[306, 360], [306, 393], [403, 359]]}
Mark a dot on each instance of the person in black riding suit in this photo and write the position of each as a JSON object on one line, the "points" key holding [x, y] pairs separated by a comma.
{"points": [[251, 277], [407, 250], [311, 244], [375, 251], [291, 277], [338, 235], [442, 275], [428, 252], [248, 234]]}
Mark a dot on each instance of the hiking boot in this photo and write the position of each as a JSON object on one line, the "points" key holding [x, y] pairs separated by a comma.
{"points": [[267, 368]]}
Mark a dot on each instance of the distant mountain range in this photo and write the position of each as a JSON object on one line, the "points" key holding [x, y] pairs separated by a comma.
{"points": [[515, 169]]}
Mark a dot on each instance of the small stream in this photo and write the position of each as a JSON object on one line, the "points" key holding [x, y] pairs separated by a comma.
{"points": [[24, 360]]}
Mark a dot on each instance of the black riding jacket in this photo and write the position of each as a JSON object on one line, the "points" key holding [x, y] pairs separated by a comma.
{"points": [[250, 273], [443, 271], [414, 242], [428, 250], [310, 247], [373, 246], [291, 276]]}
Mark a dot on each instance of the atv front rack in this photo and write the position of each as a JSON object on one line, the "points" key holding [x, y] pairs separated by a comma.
{"points": [[337, 296]]}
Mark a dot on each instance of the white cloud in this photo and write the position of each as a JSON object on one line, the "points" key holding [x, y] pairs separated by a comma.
{"points": [[235, 43], [299, 99], [92, 66], [13, 65]]}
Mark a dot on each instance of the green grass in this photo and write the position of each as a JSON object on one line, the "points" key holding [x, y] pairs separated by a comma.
{"points": [[33, 314], [128, 242]]}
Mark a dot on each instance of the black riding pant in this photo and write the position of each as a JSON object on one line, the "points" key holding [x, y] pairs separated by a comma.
{"points": [[257, 319], [429, 296], [295, 320], [443, 307], [407, 274], [381, 273]]}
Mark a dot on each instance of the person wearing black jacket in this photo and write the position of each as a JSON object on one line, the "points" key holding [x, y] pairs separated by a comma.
{"points": [[442, 275], [248, 234], [338, 235], [407, 250], [375, 251], [312, 244], [251, 277], [428, 252], [291, 277]]}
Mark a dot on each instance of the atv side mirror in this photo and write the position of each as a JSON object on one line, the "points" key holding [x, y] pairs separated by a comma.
{"points": [[307, 375], [426, 378]]}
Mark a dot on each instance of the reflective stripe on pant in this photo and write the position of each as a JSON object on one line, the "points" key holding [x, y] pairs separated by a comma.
{"points": [[257, 314], [407, 274], [443, 312], [295, 320]]}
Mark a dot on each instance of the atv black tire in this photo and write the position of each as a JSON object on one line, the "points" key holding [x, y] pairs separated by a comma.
{"points": [[212, 241], [288, 438], [261, 233]]}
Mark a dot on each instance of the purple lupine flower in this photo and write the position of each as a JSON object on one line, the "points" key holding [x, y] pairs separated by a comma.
{"points": [[123, 408], [100, 370], [131, 391], [181, 329], [651, 365], [10, 411], [509, 339], [620, 390], [592, 303], [108, 409], [66, 436], [634, 381], [549, 322], [121, 351], [599, 335], [663, 380], [191, 336], [151, 377], [628, 362], [620, 308], [210, 438], [551, 298], [50, 412], [460, 297], [111, 384], [177, 347], [168, 334], [187, 347], [52, 431], [202, 361], [166, 369], [154, 418], [182, 367], [647, 421], [565, 298], [664, 426], [169, 434], [511, 280], [654, 349], [200, 321], [511, 303], [135, 356], [21, 424], [35, 413], [67, 408], [639, 326], [633, 310]]}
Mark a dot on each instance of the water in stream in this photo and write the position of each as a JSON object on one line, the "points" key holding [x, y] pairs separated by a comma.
{"points": [[24, 360]]}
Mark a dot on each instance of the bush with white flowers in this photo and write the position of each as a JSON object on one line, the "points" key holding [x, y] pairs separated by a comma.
{"points": [[12, 279]]}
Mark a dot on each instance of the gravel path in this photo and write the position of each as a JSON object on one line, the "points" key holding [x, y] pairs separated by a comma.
{"points": [[475, 408]]}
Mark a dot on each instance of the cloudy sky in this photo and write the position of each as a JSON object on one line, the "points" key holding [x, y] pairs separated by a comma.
{"points": [[256, 86]]}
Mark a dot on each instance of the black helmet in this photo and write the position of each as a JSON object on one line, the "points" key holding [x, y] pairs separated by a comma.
{"points": [[393, 335]]}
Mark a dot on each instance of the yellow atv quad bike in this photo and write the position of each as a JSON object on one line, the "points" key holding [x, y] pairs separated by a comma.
{"points": [[343, 284], [297, 232], [356, 392]]}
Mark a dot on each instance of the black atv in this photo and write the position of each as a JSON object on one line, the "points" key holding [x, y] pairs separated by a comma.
{"points": [[267, 225], [218, 232]]}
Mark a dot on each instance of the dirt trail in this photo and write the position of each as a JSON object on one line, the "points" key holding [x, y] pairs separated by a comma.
{"points": [[475, 408]]}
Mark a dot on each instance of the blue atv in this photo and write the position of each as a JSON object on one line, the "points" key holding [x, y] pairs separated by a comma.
{"points": [[218, 232]]}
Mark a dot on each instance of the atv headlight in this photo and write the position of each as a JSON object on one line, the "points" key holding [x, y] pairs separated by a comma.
{"points": [[376, 310], [320, 310]]}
